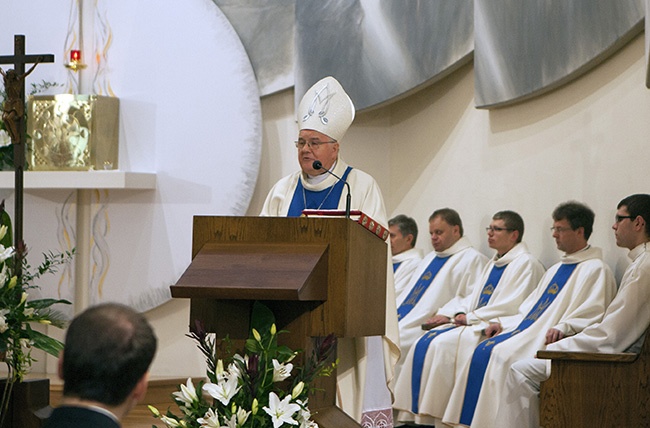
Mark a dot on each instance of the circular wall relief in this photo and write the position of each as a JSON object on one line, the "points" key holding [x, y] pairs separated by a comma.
{"points": [[381, 51], [267, 31], [527, 48], [190, 112]]}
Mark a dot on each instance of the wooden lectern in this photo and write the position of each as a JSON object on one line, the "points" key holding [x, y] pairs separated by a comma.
{"points": [[318, 276]]}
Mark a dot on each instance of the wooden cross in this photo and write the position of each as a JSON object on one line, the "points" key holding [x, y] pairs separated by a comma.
{"points": [[15, 89]]}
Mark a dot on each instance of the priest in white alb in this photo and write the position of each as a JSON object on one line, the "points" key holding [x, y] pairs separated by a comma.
{"points": [[403, 232], [572, 295], [449, 271], [622, 329], [366, 367], [425, 382]]}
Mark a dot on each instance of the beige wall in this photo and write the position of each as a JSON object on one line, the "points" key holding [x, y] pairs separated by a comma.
{"points": [[587, 141]]}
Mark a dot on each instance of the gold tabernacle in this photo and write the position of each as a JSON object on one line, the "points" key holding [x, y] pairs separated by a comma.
{"points": [[72, 132]]}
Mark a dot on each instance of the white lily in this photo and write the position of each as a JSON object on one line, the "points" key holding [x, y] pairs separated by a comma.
{"points": [[223, 391], [297, 390], [154, 411], [304, 414], [257, 336], [187, 394], [3, 276], [221, 374], [172, 423], [3, 323], [12, 282], [6, 253], [209, 420], [281, 371], [5, 139], [242, 416], [232, 423], [233, 369], [281, 412]]}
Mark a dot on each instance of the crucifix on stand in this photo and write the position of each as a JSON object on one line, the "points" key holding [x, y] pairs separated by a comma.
{"points": [[13, 115]]}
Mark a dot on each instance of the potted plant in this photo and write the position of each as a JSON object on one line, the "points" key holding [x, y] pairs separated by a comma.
{"points": [[259, 387]]}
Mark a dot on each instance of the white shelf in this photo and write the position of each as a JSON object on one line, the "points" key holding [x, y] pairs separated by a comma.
{"points": [[81, 180]]}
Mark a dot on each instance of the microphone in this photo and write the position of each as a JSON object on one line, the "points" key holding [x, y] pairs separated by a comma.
{"points": [[319, 165]]}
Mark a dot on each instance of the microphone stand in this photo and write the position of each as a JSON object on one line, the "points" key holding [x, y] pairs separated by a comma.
{"points": [[348, 198]]}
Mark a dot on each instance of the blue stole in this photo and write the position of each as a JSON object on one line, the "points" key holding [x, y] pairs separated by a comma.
{"points": [[481, 356], [421, 286], [422, 346], [490, 285], [326, 199], [396, 266]]}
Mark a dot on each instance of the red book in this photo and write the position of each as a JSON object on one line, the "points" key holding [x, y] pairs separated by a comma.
{"points": [[363, 219]]}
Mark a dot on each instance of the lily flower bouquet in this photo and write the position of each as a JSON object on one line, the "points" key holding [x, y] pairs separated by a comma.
{"points": [[261, 388], [18, 312]]}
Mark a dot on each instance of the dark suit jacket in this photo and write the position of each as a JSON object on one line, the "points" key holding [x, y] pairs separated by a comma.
{"points": [[79, 417]]}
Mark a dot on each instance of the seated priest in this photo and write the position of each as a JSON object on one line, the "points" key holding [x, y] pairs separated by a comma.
{"points": [[406, 258], [572, 295], [425, 382], [324, 115], [622, 329], [449, 271]]}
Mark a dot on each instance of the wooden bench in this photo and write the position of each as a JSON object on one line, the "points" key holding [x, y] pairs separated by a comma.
{"points": [[596, 390]]}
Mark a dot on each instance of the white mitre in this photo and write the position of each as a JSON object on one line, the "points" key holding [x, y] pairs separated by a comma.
{"points": [[326, 108]]}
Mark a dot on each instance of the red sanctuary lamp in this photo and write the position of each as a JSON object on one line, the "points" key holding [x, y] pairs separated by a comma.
{"points": [[75, 63]]}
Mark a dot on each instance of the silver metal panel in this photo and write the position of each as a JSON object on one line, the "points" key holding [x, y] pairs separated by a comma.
{"points": [[527, 47], [266, 29], [380, 50]]}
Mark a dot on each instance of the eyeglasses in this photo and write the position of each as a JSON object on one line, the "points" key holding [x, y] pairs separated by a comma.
{"points": [[558, 229], [497, 229], [620, 218], [313, 144]]}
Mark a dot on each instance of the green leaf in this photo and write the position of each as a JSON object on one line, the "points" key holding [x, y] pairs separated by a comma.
{"points": [[284, 351], [5, 220], [253, 346], [45, 303], [45, 343], [262, 318]]}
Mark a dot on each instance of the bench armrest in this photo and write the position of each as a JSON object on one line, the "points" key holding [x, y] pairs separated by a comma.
{"points": [[623, 357]]}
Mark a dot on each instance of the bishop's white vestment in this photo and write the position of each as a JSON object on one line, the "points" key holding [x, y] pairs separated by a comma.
{"points": [[622, 330], [572, 295], [428, 374], [365, 374], [404, 264], [366, 195]]}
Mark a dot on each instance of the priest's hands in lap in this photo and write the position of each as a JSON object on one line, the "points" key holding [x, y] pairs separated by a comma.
{"points": [[460, 319], [435, 321], [493, 329], [553, 335]]}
